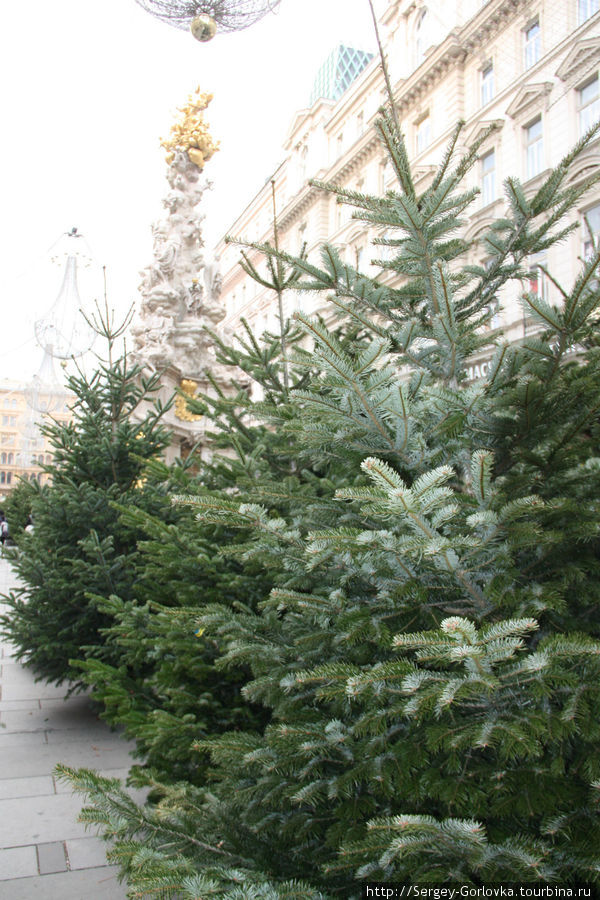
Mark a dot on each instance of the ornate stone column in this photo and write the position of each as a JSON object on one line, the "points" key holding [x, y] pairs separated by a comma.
{"points": [[181, 287]]}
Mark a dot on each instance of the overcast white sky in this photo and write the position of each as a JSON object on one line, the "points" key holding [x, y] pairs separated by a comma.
{"points": [[88, 90]]}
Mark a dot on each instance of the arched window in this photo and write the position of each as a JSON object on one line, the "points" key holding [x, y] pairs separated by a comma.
{"points": [[3, 458], [11, 459], [8, 477], [2, 477]]}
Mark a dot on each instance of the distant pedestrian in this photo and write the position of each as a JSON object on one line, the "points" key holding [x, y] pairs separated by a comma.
{"points": [[3, 530]]}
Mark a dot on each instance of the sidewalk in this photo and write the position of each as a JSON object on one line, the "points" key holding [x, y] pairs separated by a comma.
{"points": [[44, 852]]}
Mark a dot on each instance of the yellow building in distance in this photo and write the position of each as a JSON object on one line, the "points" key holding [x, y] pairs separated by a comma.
{"points": [[23, 449], [531, 67]]}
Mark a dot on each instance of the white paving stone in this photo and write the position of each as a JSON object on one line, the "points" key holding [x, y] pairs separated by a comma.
{"points": [[6, 705], [49, 720], [86, 853], [31, 691], [14, 672], [40, 820], [21, 738], [18, 862], [38, 786], [84, 884], [110, 753], [66, 715]]}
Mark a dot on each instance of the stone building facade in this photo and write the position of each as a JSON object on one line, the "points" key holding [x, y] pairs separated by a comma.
{"points": [[530, 66]]}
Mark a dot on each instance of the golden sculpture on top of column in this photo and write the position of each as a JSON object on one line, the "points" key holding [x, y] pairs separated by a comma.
{"points": [[190, 134]]}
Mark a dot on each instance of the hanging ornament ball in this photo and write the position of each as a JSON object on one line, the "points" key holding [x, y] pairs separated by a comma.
{"points": [[203, 28]]}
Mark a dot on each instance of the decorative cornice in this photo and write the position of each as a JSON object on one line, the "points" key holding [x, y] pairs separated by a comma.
{"points": [[528, 96], [584, 51], [349, 162], [336, 174], [420, 173], [441, 60], [296, 207], [479, 128], [490, 20], [587, 164]]}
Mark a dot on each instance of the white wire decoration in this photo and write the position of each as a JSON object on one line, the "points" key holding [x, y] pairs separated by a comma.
{"points": [[197, 15], [63, 330]]}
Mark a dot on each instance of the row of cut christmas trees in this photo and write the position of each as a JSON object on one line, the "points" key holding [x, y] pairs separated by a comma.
{"points": [[361, 642]]}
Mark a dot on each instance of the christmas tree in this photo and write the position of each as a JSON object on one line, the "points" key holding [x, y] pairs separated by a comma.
{"points": [[79, 546], [166, 690], [429, 656]]}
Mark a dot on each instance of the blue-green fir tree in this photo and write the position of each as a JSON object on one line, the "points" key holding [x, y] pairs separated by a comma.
{"points": [[429, 656], [165, 690]]}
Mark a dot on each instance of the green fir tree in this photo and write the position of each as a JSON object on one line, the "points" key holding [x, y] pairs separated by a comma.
{"points": [[429, 654], [79, 546], [166, 690]]}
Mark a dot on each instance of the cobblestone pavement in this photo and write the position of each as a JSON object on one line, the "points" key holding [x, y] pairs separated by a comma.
{"points": [[44, 851]]}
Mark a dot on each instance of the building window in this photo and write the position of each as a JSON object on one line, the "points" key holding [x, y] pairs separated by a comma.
{"points": [[487, 84], [590, 229], [383, 176], [303, 158], [11, 459], [423, 134], [488, 177], [586, 9], [532, 44], [534, 148], [537, 280], [2, 477], [302, 236], [421, 39], [588, 102], [8, 477]]}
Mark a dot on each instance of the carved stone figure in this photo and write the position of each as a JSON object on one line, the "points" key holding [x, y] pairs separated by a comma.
{"points": [[213, 280], [181, 287], [194, 299]]}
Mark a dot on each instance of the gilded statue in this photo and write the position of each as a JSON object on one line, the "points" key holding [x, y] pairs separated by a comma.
{"points": [[190, 134]]}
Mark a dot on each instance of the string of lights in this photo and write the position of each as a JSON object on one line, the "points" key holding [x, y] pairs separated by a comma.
{"points": [[204, 17]]}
